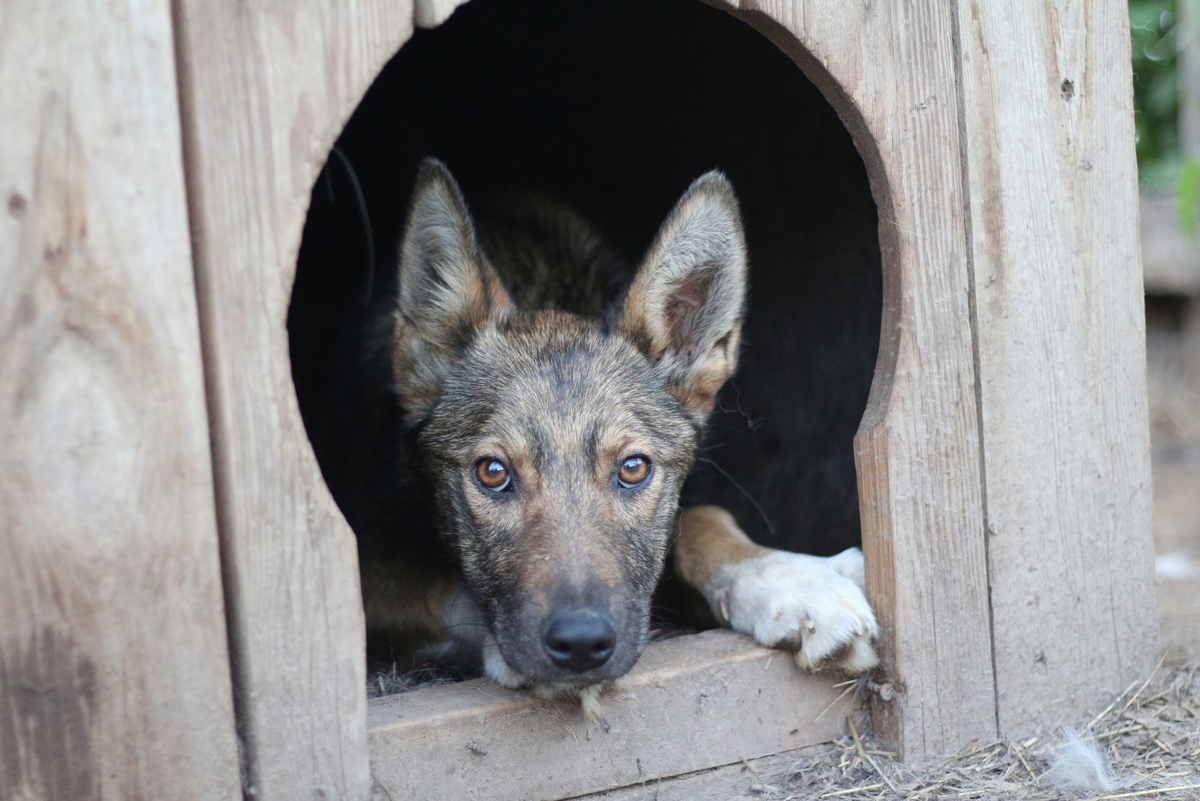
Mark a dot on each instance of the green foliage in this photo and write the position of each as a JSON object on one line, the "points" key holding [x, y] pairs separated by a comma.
{"points": [[1188, 182], [1155, 90]]}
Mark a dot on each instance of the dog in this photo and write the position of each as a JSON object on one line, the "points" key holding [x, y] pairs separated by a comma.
{"points": [[551, 425]]}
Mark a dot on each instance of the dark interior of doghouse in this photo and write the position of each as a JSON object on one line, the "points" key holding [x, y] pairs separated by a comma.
{"points": [[614, 107]]}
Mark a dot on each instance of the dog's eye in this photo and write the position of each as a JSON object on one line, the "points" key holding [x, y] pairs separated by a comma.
{"points": [[633, 471], [492, 474]]}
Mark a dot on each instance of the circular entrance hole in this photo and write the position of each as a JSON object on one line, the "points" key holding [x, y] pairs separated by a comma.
{"points": [[613, 109]]}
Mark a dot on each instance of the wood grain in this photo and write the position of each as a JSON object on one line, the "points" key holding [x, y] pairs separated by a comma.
{"points": [[889, 70], [266, 89], [691, 703], [719, 783], [1048, 125], [114, 675]]}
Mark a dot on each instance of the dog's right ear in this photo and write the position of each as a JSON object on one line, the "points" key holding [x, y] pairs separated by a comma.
{"points": [[448, 292]]}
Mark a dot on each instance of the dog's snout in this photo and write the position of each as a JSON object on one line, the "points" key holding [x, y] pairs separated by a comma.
{"points": [[580, 639]]}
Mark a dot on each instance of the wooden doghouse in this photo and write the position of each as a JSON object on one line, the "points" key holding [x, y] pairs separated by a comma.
{"points": [[179, 603]]}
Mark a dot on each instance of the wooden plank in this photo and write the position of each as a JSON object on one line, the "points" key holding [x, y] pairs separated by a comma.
{"points": [[114, 675], [1170, 260], [691, 703], [266, 89], [1048, 126], [722, 783], [889, 70]]}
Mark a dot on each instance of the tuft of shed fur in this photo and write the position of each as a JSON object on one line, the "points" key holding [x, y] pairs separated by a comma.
{"points": [[1078, 766]]}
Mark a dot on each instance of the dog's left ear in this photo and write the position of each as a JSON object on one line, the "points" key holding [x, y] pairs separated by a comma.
{"points": [[684, 308]]}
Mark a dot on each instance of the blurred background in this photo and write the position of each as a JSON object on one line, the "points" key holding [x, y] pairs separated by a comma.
{"points": [[1166, 87]]}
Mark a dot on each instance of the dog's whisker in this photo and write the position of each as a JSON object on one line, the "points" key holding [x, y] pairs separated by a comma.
{"points": [[749, 497]]}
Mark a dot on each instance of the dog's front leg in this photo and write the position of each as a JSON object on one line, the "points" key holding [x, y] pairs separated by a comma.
{"points": [[808, 604]]}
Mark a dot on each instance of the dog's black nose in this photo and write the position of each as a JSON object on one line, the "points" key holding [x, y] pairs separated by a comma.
{"points": [[580, 639]]}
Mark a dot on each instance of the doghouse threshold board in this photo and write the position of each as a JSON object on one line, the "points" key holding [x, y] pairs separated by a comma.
{"points": [[691, 703]]}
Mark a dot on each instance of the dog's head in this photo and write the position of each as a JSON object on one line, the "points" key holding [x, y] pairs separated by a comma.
{"points": [[558, 444]]}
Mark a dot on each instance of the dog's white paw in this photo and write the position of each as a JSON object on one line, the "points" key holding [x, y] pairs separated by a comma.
{"points": [[808, 604]]}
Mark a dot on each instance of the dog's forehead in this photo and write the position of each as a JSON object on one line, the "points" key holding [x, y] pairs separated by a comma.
{"points": [[569, 384], [580, 380]]}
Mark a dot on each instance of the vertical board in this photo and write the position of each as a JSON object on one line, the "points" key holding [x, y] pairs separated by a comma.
{"points": [[266, 88], [889, 69], [114, 676], [1187, 31], [1048, 128]]}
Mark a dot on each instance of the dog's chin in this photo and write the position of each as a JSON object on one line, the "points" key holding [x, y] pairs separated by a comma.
{"points": [[586, 691]]}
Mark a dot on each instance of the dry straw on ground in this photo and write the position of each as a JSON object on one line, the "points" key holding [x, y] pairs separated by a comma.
{"points": [[1144, 745]]}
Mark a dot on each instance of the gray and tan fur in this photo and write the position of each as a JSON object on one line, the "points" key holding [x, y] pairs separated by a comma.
{"points": [[516, 371]]}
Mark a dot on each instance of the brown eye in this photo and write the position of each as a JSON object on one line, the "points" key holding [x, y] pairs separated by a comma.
{"points": [[492, 474], [634, 471]]}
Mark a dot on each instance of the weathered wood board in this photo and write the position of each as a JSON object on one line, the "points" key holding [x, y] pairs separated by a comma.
{"points": [[114, 674], [1049, 143], [691, 703], [890, 71], [745, 779], [1170, 259], [266, 89]]}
